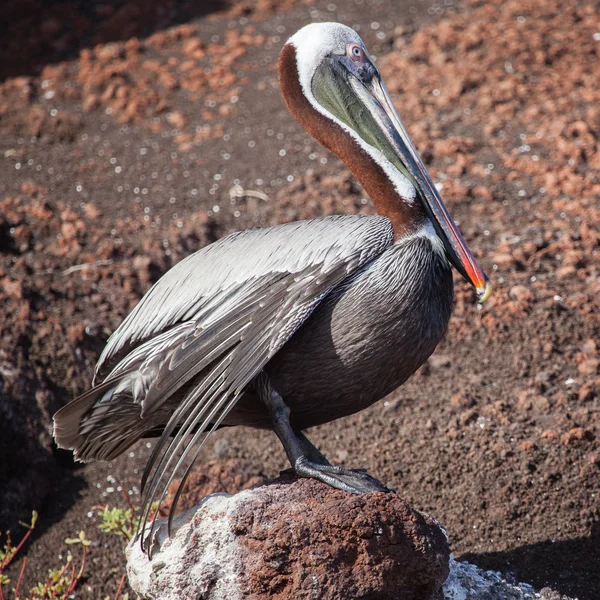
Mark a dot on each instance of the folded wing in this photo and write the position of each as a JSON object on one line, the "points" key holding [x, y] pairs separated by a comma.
{"points": [[209, 326]]}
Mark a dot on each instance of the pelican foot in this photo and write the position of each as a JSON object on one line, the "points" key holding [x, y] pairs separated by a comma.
{"points": [[353, 481], [305, 458]]}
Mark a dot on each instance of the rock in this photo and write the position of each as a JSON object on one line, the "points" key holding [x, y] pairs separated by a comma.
{"points": [[526, 446], [299, 539], [522, 293], [468, 582], [575, 435], [590, 347], [550, 435], [217, 477], [437, 361], [12, 287], [462, 400], [589, 367], [176, 119]]}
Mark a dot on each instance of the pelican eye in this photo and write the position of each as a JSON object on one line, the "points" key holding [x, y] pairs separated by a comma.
{"points": [[355, 52]]}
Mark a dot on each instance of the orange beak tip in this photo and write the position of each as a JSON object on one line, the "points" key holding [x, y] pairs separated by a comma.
{"points": [[484, 292]]}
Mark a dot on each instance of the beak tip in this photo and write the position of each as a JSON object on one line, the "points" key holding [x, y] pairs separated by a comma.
{"points": [[483, 293]]}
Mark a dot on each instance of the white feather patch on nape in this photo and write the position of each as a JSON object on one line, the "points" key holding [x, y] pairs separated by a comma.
{"points": [[313, 43], [427, 230]]}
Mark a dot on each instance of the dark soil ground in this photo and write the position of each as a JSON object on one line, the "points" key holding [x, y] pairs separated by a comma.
{"points": [[128, 142]]}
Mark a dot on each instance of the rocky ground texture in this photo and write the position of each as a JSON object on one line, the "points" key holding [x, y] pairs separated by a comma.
{"points": [[127, 142]]}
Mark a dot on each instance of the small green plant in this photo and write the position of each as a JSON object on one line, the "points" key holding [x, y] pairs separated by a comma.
{"points": [[60, 582], [123, 521], [8, 553], [120, 521]]}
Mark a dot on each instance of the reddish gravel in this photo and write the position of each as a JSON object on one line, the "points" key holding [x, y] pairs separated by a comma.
{"points": [[38, 32], [126, 157]]}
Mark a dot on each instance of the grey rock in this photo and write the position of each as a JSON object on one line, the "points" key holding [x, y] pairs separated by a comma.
{"points": [[468, 582]]}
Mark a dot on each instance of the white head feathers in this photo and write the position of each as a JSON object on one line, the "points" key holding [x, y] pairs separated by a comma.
{"points": [[314, 42]]}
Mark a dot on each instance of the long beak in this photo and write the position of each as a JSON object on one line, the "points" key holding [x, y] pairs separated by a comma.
{"points": [[458, 252]]}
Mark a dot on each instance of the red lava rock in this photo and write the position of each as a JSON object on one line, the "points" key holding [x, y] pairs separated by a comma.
{"points": [[75, 333], [565, 272], [291, 540], [577, 434], [176, 119], [437, 361], [462, 400], [484, 193], [22, 235], [522, 293], [226, 477], [68, 230], [12, 287], [193, 47], [589, 366], [586, 392], [527, 446], [590, 347], [91, 211], [142, 265], [90, 102], [503, 259]]}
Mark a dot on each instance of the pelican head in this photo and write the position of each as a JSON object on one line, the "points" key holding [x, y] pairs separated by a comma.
{"points": [[333, 88]]}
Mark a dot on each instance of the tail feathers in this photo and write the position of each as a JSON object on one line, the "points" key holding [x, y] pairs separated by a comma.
{"points": [[100, 424]]}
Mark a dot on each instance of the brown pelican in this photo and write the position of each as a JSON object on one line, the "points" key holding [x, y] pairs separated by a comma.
{"points": [[295, 325]]}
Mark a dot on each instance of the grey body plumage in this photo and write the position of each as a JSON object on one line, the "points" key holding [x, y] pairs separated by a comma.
{"points": [[367, 336], [343, 333]]}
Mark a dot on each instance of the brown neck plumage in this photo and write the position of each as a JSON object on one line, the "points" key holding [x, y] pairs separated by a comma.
{"points": [[405, 218]]}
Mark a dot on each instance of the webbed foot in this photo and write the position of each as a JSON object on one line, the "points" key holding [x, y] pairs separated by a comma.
{"points": [[347, 480]]}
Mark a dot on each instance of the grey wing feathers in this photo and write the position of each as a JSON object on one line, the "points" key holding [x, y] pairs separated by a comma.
{"points": [[222, 313], [197, 286]]}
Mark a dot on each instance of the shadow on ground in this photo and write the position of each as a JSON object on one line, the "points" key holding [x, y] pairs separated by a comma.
{"points": [[569, 566], [35, 33]]}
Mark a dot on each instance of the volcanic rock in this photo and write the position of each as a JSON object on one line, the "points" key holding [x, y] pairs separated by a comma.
{"points": [[290, 540], [469, 582]]}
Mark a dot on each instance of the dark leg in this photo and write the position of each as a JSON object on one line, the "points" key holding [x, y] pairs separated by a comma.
{"points": [[310, 450], [306, 460]]}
